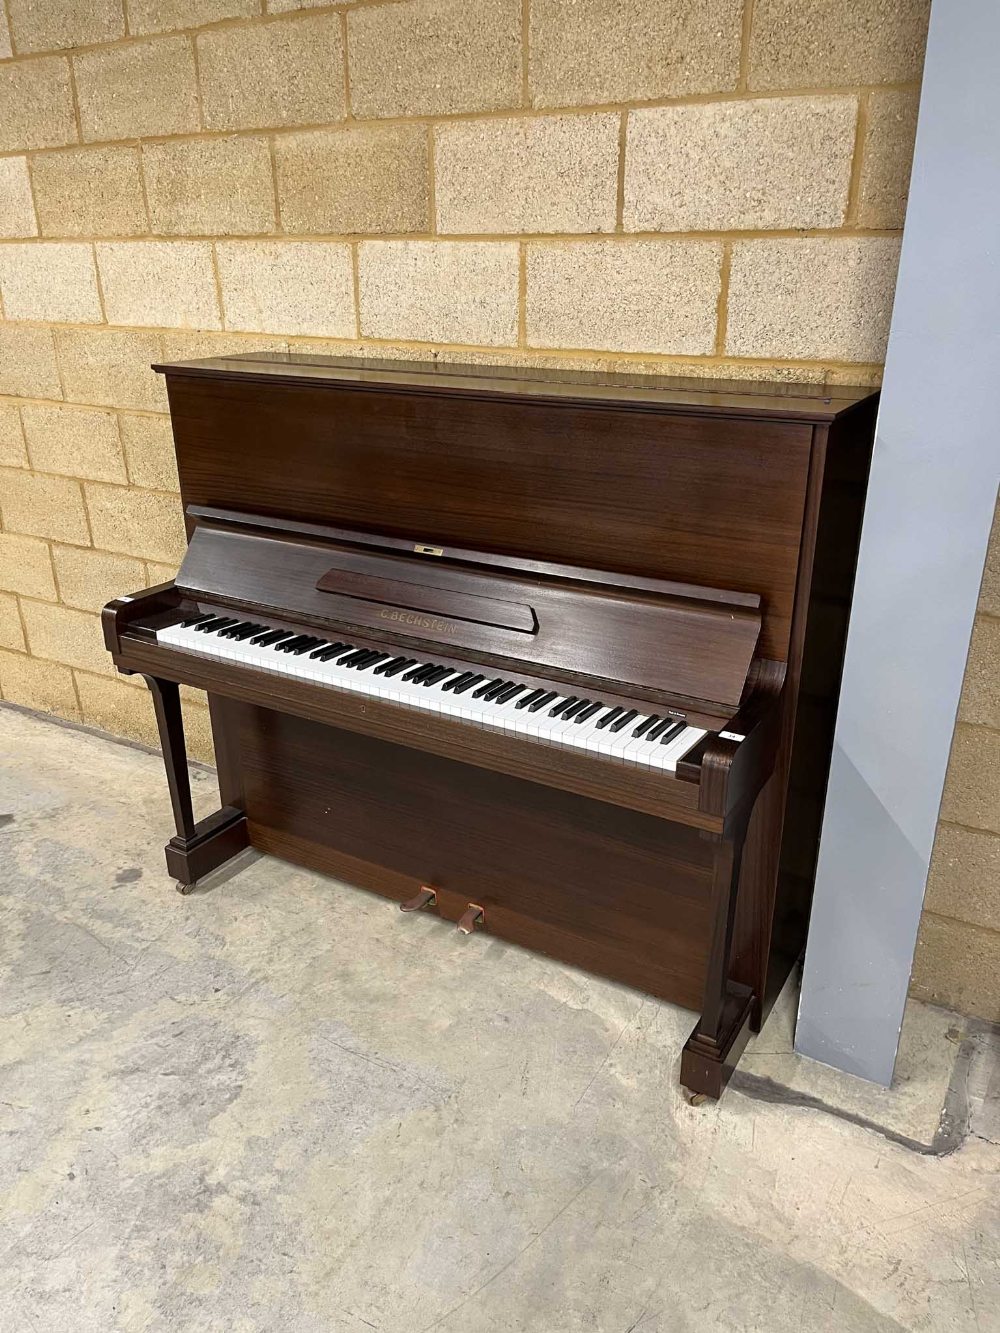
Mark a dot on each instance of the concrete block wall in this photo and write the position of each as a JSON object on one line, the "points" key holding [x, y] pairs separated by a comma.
{"points": [[705, 187]]}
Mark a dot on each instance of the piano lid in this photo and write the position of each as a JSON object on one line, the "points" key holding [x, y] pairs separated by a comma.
{"points": [[636, 634], [781, 400]]}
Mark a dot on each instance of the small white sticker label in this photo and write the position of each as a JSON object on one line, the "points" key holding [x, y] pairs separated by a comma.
{"points": [[731, 736]]}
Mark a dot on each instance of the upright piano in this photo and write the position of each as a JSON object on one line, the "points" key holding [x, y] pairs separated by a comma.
{"points": [[549, 655]]}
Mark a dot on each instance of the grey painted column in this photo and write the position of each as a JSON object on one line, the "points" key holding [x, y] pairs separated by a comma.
{"points": [[933, 487]]}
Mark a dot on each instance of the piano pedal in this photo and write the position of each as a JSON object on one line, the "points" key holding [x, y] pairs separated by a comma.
{"points": [[470, 918], [425, 898]]}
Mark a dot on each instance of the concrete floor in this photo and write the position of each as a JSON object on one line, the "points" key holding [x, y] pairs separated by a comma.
{"points": [[280, 1105]]}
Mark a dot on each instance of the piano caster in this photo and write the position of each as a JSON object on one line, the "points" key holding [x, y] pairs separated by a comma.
{"points": [[425, 898], [185, 889], [470, 918], [697, 1098]]}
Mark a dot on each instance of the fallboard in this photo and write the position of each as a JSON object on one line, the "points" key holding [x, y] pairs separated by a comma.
{"points": [[646, 637]]}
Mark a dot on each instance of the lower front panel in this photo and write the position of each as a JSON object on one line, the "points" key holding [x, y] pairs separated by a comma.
{"points": [[616, 892]]}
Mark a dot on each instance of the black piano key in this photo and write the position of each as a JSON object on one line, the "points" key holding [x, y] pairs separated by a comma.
{"points": [[268, 637], [328, 648], [241, 635], [589, 712], [495, 683], [404, 665], [511, 692], [625, 719], [672, 733], [216, 622], [529, 698], [435, 676], [309, 642], [667, 724], [289, 645], [421, 670], [490, 693], [230, 630], [383, 667], [543, 702], [563, 705], [372, 662], [460, 679], [351, 656], [196, 620], [609, 716], [358, 661], [475, 680], [415, 672], [571, 712], [331, 654], [643, 727]]}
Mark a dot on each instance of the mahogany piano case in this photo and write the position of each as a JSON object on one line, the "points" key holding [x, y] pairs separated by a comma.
{"points": [[682, 550]]}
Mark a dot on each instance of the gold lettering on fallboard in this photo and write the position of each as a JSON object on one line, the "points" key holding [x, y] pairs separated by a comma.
{"points": [[414, 618]]}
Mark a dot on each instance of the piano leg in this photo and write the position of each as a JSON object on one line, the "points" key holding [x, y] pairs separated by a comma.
{"points": [[198, 847], [711, 1052]]}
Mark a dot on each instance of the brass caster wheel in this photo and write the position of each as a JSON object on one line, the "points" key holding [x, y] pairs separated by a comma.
{"points": [[697, 1098], [185, 889]]}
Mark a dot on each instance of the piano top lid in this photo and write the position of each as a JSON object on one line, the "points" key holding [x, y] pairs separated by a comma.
{"points": [[761, 398]]}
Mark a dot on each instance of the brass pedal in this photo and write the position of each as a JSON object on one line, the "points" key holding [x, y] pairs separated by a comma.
{"points": [[470, 918], [425, 898]]}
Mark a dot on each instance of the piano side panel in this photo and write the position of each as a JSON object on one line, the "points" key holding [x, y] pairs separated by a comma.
{"points": [[619, 893], [829, 562], [782, 846], [707, 498]]}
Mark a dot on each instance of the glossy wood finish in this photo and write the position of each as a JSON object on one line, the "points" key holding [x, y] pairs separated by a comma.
{"points": [[199, 847], [683, 496], [686, 648], [547, 765], [812, 403], [614, 891], [679, 545]]}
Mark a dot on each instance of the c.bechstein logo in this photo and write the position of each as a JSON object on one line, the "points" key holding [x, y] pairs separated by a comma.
{"points": [[414, 618]]}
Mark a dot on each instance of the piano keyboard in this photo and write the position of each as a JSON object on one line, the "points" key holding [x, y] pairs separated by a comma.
{"points": [[479, 697]]}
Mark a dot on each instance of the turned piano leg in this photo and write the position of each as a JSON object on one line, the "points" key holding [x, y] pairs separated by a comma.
{"points": [[711, 1052], [201, 846]]}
